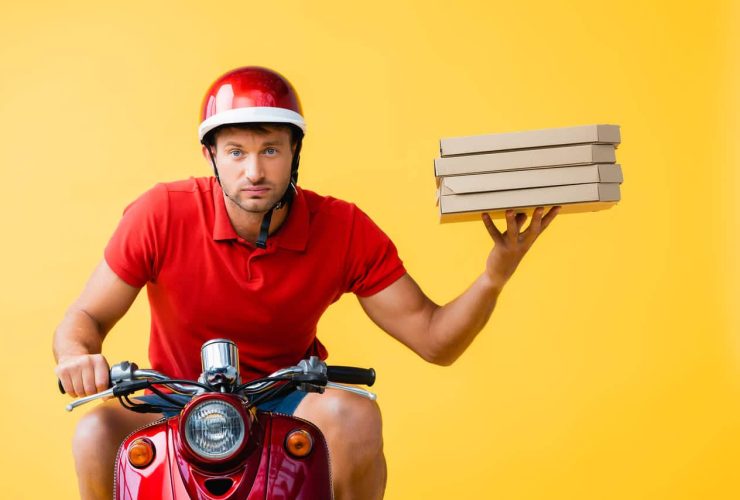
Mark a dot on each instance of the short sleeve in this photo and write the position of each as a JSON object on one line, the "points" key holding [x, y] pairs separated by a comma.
{"points": [[135, 250], [373, 261]]}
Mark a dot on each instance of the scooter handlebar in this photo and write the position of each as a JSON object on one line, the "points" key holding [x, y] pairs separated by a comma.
{"points": [[351, 375], [341, 374]]}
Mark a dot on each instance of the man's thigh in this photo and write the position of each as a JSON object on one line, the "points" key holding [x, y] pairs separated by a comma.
{"points": [[109, 421]]}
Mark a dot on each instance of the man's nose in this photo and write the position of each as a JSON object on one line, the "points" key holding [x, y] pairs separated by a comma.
{"points": [[252, 169]]}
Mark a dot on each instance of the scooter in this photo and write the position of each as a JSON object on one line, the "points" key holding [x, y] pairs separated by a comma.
{"points": [[219, 445]]}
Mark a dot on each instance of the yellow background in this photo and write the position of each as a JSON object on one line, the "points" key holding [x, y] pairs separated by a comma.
{"points": [[611, 367]]}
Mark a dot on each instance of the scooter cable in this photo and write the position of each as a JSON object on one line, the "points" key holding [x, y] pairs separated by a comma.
{"points": [[267, 396], [207, 387], [144, 407], [166, 397], [243, 387]]}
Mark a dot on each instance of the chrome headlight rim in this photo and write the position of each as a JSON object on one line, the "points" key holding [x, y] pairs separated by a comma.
{"points": [[232, 403]]}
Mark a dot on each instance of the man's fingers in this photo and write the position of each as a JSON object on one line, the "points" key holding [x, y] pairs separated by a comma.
{"points": [[102, 373], [547, 219], [88, 379], [77, 384], [535, 226], [515, 222], [512, 229], [521, 218], [63, 378], [492, 229], [84, 375], [66, 381]]}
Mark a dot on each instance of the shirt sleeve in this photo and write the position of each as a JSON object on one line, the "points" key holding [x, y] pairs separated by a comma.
{"points": [[373, 261], [135, 250]]}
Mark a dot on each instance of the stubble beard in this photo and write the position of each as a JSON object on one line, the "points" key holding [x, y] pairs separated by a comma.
{"points": [[257, 206]]}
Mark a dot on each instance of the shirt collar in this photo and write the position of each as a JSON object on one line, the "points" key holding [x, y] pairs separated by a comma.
{"points": [[292, 235]]}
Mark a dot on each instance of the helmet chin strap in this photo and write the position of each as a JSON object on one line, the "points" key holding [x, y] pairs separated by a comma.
{"points": [[286, 198]]}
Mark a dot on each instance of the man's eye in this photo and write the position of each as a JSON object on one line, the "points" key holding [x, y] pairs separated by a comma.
{"points": [[235, 153], [271, 151]]}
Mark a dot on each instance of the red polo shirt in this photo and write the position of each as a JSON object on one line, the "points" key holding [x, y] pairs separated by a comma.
{"points": [[205, 282]]}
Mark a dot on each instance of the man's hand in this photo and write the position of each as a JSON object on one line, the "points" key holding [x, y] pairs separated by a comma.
{"points": [[511, 246], [83, 375]]}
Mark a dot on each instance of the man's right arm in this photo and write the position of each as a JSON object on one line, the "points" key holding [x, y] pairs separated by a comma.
{"points": [[78, 339]]}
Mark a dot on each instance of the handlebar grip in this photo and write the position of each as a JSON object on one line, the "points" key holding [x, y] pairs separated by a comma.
{"points": [[61, 387], [351, 375]]}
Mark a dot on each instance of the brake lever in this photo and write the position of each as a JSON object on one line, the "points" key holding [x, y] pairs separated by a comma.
{"points": [[84, 400], [121, 389], [355, 390]]}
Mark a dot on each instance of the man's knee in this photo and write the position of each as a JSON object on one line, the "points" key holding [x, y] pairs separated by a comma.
{"points": [[348, 420]]}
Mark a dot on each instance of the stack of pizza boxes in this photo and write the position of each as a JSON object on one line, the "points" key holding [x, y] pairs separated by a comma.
{"points": [[574, 167]]}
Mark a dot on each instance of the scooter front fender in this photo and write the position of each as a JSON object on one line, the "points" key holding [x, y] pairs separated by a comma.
{"points": [[267, 472]]}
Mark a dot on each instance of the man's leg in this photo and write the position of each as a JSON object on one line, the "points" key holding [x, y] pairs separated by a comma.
{"points": [[95, 444], [352, 427]]}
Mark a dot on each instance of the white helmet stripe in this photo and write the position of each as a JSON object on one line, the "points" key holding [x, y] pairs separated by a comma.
{"points": [[251, 115]]}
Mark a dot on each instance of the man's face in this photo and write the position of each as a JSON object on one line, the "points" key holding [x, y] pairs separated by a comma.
{"points": [[254, 167]]}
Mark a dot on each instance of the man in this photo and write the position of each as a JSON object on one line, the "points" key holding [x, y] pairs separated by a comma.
{"points": [[247, 255]]}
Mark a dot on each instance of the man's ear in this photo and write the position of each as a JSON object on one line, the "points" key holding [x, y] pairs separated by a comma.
{"points": [[204, 150]]}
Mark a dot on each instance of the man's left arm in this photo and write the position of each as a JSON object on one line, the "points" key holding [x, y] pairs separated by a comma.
{"points": [[440, 334]]}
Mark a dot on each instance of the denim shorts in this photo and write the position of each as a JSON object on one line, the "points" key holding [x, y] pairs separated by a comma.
{"points": [[285, 404]]}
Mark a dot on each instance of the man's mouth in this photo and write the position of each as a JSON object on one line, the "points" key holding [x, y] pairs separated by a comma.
{"points": [[255, 189]]}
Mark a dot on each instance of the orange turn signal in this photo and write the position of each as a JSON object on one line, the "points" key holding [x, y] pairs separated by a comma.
{"points": [[299, 443], [141, 453]]}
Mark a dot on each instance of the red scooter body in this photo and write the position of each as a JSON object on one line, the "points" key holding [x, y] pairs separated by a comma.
{"points": [[264, 469], [220, 446]]}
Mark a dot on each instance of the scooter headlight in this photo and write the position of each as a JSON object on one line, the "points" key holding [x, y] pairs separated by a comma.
{"points": [[214, 429]]}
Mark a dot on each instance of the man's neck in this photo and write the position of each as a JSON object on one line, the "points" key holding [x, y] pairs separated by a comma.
{"points": [[248, 224]]}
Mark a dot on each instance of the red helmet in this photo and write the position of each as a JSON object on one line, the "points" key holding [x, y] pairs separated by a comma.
{"points": [[249, 95]]}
